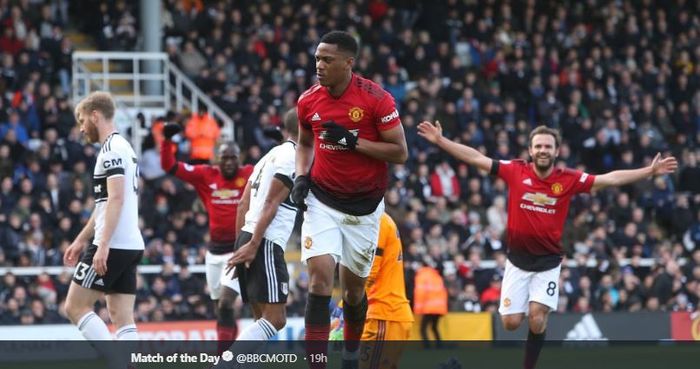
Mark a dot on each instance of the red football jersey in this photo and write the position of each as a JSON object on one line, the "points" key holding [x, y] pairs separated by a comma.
{"points": [[219, 195], [537, 208], [365, 109]]}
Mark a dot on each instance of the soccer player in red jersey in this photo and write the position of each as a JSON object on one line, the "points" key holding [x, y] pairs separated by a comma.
{"points": [[220, 188], [538, 203], [349, 129]]}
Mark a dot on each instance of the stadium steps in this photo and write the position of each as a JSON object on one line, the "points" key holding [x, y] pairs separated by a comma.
{"points": [[81, 41], [84, 42]]}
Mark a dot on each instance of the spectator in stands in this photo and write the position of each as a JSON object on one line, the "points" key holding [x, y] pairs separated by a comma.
{"points": [[15, 125], [500, 82], [191, 60], [202, 131], [491, 295]]}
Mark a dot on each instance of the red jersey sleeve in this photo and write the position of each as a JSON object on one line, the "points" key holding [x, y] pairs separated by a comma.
{"points": [[300, 116], [583, 182], [387, 116], [193, 174], [301, 108], [167, 155], [508, 169]]}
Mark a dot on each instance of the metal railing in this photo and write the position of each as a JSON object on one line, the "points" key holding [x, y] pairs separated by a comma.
{"points": [[128, 76], [199, 268]]}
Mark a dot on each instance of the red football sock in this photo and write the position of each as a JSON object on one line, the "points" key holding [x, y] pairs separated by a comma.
{"points": [[226, 335], [317, 322], [317, 343]]}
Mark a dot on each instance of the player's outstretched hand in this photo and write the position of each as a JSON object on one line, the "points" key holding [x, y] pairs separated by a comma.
{"points": [[338, 134], [70, 258], [663, 166], [302, 184], [429, 131], [171, 129]]}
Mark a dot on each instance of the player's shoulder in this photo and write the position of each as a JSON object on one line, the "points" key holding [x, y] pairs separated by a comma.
{"points": [[245, 170], [386, 221], [283, 154], [309, 93], [572, 174], [514, 162], [368, 87], [114, 142], [567, 172], [284, 150], [387, 226], [205, 170]]}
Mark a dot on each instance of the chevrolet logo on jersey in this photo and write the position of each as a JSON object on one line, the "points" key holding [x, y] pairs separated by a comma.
{"points": [[225, 193], [539, 199]]}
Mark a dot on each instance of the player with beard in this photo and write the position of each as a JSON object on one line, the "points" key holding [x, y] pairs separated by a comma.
{"points": [[111, 243], [220, 188], [538, 202]]}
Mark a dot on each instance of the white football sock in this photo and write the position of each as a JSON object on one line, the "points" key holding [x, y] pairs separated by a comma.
{"points": [[93, 328], [127, 333], [261, 330]]}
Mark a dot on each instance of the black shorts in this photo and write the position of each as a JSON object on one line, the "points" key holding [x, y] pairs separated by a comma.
{"points": [[121, 271], [267, 279]]}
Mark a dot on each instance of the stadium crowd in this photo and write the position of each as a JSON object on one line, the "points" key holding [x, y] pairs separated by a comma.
{"points": [[619, 78]]}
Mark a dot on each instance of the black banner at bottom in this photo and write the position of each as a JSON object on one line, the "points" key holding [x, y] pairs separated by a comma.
{"points": [[388, 354]]}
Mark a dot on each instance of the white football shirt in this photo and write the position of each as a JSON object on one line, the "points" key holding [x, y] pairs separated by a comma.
{"points": [[278, 163], [117, 158]]}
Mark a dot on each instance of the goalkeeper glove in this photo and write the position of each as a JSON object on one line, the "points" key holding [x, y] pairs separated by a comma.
{"points": [[336, 133], [302, 184], [171, 129]]}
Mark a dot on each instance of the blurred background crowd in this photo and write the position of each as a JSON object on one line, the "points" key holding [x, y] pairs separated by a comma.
{"points": [[619, 79]]}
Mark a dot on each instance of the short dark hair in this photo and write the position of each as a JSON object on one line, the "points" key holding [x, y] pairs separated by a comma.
{"points": [[229, 146], [544, 130], [344, 40]]}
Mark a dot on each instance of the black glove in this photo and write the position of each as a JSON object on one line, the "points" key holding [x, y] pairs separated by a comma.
{"points": [[300, 191], [336, 133], [171, 129]]}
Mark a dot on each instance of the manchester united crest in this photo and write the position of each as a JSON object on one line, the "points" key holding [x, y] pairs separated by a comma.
{"points": [[240, 182], [356, 114], [308, 243], [557, 188], [506, 302]]}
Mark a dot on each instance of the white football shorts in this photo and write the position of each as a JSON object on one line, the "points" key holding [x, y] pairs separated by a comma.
{"points": [[350, 239], [521, 286], [215, 267]]}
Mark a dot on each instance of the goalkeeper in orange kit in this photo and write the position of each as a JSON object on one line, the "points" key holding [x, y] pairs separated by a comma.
{"points": [[389, 315]]}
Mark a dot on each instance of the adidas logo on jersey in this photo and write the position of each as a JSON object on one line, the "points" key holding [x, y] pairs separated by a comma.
{"points": [[343, 141], [586, 329], [316, 117], [527, 181], [100, 282]]}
